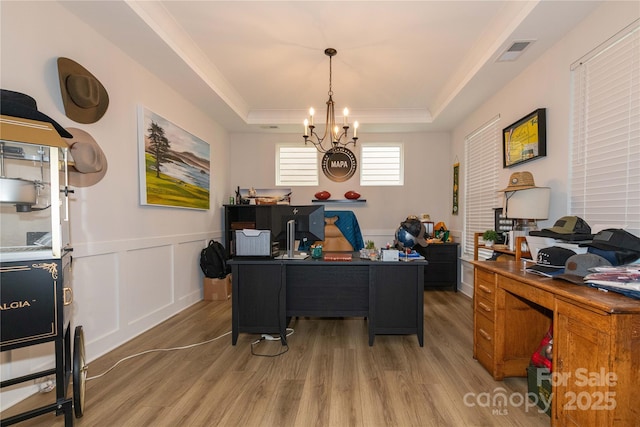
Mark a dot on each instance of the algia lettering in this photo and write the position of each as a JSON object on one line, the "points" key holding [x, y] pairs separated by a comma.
{"points": [[14, 305]]}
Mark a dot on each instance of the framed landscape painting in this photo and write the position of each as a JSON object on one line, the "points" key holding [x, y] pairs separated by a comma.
{"points": [[174, 165], [525, 140]]}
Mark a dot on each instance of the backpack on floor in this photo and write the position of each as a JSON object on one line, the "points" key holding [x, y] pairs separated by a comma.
{"points": [[213, 261]]}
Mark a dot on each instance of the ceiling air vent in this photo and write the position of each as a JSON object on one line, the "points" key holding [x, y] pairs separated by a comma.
{"points": [[514, 51]]}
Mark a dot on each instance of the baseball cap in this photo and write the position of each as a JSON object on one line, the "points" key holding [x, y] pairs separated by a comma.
{"points": [[567, 228], [577, 266], [618, 257], [551, 261], [416, 228], [615, 239]]}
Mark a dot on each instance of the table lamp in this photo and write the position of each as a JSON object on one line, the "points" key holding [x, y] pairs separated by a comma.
{"points": [[527, 206]]}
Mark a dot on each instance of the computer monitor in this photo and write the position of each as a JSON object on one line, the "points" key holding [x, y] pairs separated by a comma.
{"points": [[309, 223]]}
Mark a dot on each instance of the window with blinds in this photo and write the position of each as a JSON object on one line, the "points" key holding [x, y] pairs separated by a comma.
{"points": [[605, 153], [482, 154], [381, 164], [296, 165]]}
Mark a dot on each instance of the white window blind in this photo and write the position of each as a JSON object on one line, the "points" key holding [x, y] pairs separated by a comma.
{"points": [[482, 154], [381, 164], [605, 174], [296, 165]]}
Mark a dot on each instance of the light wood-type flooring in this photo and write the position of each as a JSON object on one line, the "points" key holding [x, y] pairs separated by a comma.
{"points": [[329, 376]]}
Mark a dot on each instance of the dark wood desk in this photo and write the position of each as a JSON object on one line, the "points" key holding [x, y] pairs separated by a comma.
{"points": [[268, 292]]}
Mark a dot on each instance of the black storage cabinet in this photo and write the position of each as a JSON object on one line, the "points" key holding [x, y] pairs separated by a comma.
{"points": [[443, 270], [36, 299]]}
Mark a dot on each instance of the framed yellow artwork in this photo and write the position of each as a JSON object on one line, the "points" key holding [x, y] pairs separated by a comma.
{"points": [[525, 140]]}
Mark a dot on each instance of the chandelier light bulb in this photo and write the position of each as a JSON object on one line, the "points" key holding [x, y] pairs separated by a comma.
{"points": [[311, 113], [346, 114]]}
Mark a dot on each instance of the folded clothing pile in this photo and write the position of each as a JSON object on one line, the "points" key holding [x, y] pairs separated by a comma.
{"points": [[612, 263]]}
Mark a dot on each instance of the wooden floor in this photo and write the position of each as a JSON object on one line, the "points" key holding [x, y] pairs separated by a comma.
{"points": [[329, 376]]}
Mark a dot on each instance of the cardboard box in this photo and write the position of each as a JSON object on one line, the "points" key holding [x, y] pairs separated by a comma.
{"points": [[539, 384], [217, 289]]}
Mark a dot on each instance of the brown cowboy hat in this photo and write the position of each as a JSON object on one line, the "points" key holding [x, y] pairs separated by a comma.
{"points": [[89, 164], [85, 99]]}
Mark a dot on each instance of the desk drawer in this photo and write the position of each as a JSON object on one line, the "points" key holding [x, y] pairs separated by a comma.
{"points": [[530, 293], [484, 334], [327, 290], [441, 252], [485, 307], [486, 279], [485, 360], [485, 290]]}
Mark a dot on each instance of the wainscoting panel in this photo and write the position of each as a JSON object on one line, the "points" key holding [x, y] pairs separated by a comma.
{"points": [[187, 274], [96, 294], [148, 284], [121, 289]]}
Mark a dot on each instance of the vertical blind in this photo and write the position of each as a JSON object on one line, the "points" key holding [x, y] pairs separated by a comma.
{"points": [[605, 163], [482, 154], [296, 165], [381, 164]]}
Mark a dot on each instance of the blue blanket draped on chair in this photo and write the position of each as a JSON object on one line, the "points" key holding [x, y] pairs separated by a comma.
{"points": [[348, 225]]}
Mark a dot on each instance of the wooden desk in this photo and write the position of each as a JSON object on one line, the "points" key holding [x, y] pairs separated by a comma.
{"points": [[596, 336], [268, 292]]}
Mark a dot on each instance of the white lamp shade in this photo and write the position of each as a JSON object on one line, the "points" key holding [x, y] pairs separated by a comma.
{"points": [[532, 203]]}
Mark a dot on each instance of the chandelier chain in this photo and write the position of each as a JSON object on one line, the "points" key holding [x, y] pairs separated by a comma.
{"points": [[330, 77]]}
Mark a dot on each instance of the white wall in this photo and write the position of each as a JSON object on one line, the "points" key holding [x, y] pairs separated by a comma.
{"points": [[545, 84], [133, 265], [427, 181]]}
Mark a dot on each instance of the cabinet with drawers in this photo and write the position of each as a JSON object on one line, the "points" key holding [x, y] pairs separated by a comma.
{"points": [[443, 270]]}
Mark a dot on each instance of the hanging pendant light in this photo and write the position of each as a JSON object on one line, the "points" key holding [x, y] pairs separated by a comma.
{"points": [[337, 137]]}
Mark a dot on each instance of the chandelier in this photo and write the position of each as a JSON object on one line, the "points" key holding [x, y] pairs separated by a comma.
{"points": [[337, 137]]}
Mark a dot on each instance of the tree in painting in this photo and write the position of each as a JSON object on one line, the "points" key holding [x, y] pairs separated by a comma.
{"points": [[158, 145], [174, 164]]}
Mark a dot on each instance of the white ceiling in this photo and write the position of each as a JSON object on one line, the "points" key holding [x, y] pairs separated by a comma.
{"points": [[257, 66]]}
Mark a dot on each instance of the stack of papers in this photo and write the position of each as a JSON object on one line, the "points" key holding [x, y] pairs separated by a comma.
{"points": [[410, 256]]}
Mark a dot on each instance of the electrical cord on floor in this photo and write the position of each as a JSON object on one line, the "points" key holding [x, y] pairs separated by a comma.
{"points": [[156, 350], [267, 337]]}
